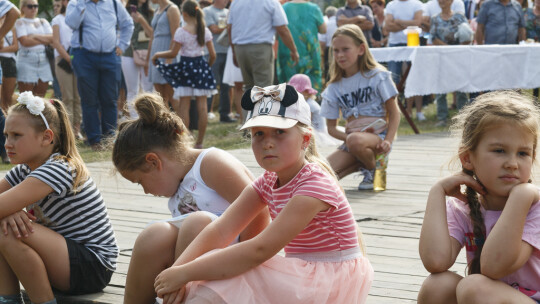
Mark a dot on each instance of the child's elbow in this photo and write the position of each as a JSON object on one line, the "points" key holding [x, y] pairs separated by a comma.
{"points": [[435, 264], [493, 272]]}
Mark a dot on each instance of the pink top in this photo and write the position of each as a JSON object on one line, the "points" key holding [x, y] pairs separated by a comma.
{"points": [[330, 230], [460, 227], [190, 47]]}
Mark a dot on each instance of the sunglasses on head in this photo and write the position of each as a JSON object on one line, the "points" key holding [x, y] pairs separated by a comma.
{"points": [[32, 6]]}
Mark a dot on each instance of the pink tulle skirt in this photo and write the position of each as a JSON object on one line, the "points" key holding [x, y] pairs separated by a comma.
{"points": [[333, 277]]}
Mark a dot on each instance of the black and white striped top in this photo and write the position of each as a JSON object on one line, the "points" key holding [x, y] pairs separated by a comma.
{"points": [[81, 217]]}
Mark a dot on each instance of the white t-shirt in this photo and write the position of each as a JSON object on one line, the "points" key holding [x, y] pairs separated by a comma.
{"points": [[402, 10], [8, 40], [65, 32], [25, 27], [432, 7]]}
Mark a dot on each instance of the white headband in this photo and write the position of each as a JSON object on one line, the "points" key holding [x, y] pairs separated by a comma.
{"points": [[34, 104]]}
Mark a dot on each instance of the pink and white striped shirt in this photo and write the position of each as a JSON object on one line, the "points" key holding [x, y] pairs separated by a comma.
{"points": [[330, 230]]}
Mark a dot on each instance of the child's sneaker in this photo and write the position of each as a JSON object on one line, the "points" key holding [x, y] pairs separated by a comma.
{"points": [[367, 182], [420, 116]]}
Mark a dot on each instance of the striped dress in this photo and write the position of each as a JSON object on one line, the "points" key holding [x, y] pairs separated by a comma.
{"points": [[322, 264], [81, 216]]}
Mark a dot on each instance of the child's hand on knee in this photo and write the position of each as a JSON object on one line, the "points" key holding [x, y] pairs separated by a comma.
{"points": [[384, 146], [20, 223]]}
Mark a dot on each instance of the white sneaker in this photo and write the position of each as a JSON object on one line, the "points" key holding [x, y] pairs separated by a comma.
{"points": [[367, 182], [420, 116], [211, 116]]}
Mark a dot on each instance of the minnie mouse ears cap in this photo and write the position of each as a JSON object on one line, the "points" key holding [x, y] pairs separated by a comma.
{"points": [[278, 106]]}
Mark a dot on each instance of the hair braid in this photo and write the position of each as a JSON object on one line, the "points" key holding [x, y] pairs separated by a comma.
{"points": [[479, 229]]}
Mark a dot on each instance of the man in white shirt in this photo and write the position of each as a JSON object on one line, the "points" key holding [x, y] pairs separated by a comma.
{"points": [[399, 15], [253, 25]]}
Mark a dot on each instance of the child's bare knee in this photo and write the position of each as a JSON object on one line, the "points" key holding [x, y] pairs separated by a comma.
{"points": [[9, 241], [439, 288], [156, 237], [473, 289], [196, 222]]}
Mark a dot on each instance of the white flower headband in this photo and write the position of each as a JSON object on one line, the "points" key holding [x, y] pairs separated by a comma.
{"points": [[34, 104]]}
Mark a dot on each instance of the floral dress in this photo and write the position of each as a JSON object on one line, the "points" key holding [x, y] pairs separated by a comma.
{"points": [[532, 24], [445, 30], [304, 21]]}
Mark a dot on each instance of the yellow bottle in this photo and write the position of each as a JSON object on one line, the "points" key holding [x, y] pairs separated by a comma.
{"points": [[379, 179]]}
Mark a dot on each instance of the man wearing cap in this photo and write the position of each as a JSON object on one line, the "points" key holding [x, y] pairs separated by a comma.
{"points": [[252, 26]]}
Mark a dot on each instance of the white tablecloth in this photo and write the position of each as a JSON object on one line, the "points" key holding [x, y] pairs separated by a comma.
{"points": [[466, 68]]}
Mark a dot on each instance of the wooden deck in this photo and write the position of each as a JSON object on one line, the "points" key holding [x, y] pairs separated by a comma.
{"points": [[390, 220]]}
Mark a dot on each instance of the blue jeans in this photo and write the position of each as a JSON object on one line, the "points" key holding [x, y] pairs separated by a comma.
{"points": [[224, 101], [442, 104], [396, 66], [97, 81]]}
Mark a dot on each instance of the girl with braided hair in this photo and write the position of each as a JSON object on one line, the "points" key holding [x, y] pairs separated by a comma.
{"points": [[497, 218]]}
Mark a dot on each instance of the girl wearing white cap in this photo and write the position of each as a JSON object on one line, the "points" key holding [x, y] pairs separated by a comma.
{"points": [[312, 222]]}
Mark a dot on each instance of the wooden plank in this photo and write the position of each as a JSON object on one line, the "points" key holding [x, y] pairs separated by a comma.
{"points": [[390, 220]]}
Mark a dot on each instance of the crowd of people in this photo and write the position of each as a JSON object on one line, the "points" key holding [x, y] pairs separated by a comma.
{"points": [[222, 241]]}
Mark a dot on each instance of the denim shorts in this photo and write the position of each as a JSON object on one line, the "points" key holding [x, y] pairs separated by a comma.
{"points": [[33, 66], [87, 274], [9, 67]]}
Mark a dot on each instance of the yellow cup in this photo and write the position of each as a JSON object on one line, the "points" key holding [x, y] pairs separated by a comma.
{"points": [[413, 39], [413, 35]]}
